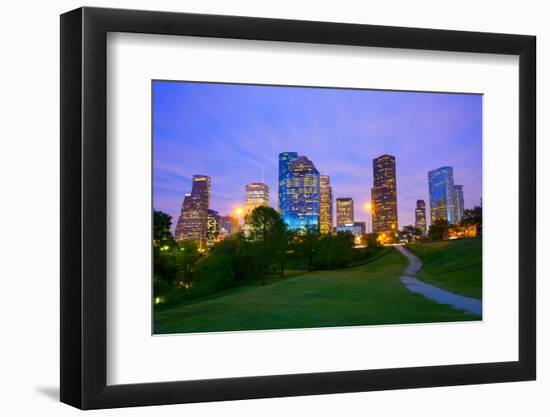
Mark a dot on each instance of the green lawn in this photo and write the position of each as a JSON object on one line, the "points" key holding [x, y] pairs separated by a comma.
{"points": [[363, 295], [454, 265]]}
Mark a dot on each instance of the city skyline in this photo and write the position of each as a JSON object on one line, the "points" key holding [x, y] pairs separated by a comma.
{"points": [[239, 148], [305, 200]]}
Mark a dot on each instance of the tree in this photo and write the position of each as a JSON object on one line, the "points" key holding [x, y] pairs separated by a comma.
{"points": [[473, 217], [174, 266], [305, 245], [438, 229], [410, 233], [281, 238], [267, 229], [186, 257], [161, 229], [340, 249], [372, 241]]}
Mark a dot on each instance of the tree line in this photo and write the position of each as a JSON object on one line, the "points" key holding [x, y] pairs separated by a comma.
{"points": [[264, 248]]}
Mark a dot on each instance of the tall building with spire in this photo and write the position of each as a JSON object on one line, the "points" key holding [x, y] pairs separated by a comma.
{"points": [[344, 212], [257, 194], [193, 221], [301, 196], [420, 216], [285, 160], [325, 204], [442, 195], [384, 194]]}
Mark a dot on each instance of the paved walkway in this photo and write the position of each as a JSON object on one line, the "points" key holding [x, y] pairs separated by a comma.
{"points": [[471, 305]]}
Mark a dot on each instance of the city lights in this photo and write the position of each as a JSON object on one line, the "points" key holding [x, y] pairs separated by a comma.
{"points": [[306, 200]]}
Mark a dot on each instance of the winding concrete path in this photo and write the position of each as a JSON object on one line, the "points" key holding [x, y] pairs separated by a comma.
{"points": [[471, 305]]}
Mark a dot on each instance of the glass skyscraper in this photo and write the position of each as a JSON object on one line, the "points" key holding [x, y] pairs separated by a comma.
{"points": [[193, 220], [301, 196], [384, 194], [285, 160], [325, 209], [442, 195]]}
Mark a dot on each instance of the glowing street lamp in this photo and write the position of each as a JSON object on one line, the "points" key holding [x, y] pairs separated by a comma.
{"points": [[239, 212]]}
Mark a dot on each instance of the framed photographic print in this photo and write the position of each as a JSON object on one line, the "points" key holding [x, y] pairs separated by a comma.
{"points": [[257, 208]]}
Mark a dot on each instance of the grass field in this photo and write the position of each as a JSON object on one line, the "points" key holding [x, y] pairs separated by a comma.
{"points": [[454, 265], [363, 295]]}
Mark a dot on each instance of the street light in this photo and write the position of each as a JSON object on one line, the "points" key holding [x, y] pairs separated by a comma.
{"points": [[239, 213]]}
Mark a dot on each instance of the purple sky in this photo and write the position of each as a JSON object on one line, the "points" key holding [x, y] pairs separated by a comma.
{"points": [[234, 133]]}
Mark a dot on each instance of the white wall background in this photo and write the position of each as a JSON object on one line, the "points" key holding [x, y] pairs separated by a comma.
{"points": [[29, 213]]}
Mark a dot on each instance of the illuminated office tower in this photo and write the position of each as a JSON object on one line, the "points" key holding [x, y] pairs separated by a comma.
{"points": [[193, 220], [213, 227], [442, 195], [420, 216], [300, 203], [344, 211], [285, 160], [257, 194], [384, 194], [325, 205], [459, 202]]}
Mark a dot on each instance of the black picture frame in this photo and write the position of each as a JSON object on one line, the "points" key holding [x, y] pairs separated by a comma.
{"points": [[84, 207]]}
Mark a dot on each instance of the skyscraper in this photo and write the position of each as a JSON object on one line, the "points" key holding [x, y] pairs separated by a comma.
{"points": [[192, 223], [384, 194], [325, 205], [300, 203], [344, 211], [459, 197], [285, 160], [213, 227], [420, 216], [257, 194], [442, 195]]}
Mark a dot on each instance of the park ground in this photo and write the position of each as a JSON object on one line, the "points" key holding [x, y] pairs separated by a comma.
{"points": [[453, 265], [367, 294]]}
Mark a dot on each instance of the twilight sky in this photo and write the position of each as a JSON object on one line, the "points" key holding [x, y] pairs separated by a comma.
{"points": [[234, 133]]}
